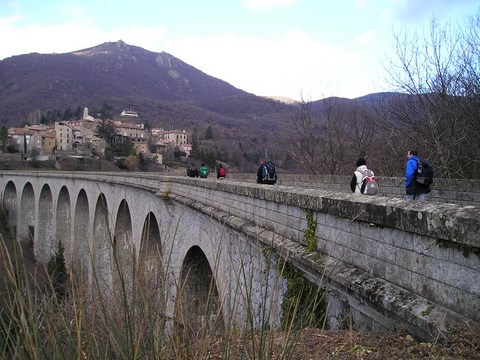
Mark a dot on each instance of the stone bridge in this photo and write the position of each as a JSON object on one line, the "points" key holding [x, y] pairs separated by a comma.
{"points": [[383, 264]]}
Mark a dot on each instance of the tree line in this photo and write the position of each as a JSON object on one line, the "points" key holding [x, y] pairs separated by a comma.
{"points": [[434, 108]]}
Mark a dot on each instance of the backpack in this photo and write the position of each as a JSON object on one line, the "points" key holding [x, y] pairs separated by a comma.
{"points": [[222, 172], [424, 173], [203, 172], [369, 183], [269, 175]]}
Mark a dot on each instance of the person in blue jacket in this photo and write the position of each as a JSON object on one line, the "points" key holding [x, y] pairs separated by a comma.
{"points": [[414, 190]]}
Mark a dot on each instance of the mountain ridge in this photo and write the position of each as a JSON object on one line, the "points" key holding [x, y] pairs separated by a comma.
{"points": [[41, 82], [164, 90]]}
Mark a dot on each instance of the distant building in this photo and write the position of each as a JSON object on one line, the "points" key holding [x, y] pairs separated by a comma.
{"points": [[141, 147], [157, 131], [64, 136], [47, 139], [187, 149], [38, 138], [176, 137], [22, 139], [129, 113], [134, 132], [85, 114]]}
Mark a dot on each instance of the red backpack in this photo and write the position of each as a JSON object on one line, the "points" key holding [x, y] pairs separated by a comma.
{"points": [[222, 172]]}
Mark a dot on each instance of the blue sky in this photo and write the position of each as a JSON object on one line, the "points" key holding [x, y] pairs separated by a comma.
{"points": [[289, 48]]}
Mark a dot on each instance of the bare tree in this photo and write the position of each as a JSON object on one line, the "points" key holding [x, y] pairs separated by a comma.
{"points": [[349, 132], [331, 138], [436, 117], [304, 138]]}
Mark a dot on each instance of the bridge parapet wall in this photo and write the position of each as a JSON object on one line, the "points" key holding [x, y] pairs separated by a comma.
{"points": [[418, 260], [455, 191]]}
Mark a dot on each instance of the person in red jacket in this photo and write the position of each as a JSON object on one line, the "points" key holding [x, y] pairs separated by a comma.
{"points": [[221, 172]]}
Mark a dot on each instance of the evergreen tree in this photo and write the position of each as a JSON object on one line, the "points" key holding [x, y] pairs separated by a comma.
{"points": [[78, 114], [57, 271], [210, 159], [195, 151], [209, 133], [67, 114], [4, 138], [106, 112], [106, 130]]}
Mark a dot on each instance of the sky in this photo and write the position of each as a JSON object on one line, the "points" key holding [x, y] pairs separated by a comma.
{"points": [[300, 49]]}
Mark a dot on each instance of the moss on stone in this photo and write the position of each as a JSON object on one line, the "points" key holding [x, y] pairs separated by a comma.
{"points": [[310, 232], [303, 303]]}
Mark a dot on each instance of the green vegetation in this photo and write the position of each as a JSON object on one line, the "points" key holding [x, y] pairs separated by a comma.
{"points": [[310, 232], [303, 303], [57, 272]]}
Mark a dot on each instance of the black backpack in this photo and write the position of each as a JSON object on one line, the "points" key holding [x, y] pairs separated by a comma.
{"points": [[424, 173], [269, 173]]}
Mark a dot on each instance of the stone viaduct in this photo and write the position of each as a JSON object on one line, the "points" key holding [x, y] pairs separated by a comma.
{"points": [[384, 264]]}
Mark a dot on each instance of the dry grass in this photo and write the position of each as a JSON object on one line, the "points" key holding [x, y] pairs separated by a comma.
{"points": [[36, 326]]}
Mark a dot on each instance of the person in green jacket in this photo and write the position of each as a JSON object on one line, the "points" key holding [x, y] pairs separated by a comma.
{"points": [[203, 173]]}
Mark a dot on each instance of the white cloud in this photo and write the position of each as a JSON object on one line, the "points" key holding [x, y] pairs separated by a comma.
{"points": [[367, 38], [294, 64], [70, 37]]}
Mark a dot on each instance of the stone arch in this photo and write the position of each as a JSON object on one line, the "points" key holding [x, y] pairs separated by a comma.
{"points": [[124, 252], [44, 246], [151, 274], [26, 226], [78, 250], [102, 242], [10, 203], [197, 310]]}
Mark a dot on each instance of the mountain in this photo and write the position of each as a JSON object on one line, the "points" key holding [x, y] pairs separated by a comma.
{"points": [[158, 86], [165, 92]]}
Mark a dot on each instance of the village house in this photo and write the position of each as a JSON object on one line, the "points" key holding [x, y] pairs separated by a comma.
{"points": [[175, 137], [131, 131], [38, 140], [169, 140], [47, 140], [21, 139], [63, 136], [79, 137], [130, 113]]}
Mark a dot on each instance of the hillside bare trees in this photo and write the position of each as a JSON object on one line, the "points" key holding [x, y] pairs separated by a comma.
{"points": [[439, 70], [304, 141], [329, 136]]}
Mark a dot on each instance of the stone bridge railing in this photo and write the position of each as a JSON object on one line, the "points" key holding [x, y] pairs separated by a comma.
{"points": [[386, 264], [455, 191]]}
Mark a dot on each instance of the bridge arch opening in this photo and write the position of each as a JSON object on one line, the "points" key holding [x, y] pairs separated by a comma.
{"points": [[26, 226], [44, 245], [63, 217], [124, 252], [10, 203], [78, 250], [198, 310], [150, 259], [101, 246], [63, 220]]}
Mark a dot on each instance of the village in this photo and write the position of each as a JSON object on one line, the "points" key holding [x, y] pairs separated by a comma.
{"points": [[81, 139]]}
